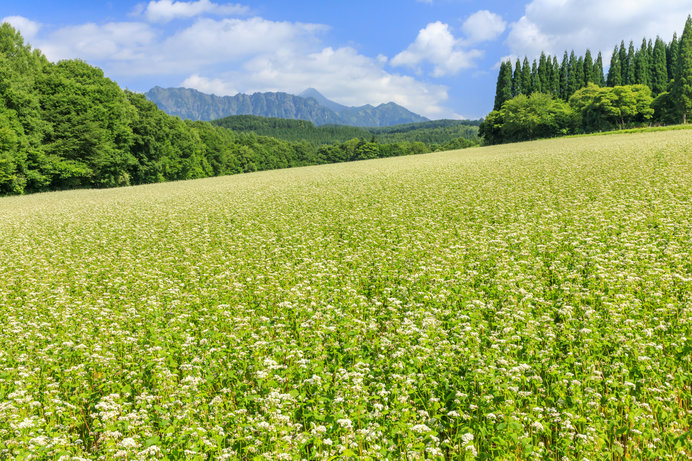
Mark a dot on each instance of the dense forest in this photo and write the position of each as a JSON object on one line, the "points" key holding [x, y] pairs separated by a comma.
{"points": [[66, 126], [648, 84], [435, 134]]}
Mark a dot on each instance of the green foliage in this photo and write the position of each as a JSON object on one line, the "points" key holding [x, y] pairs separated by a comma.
{"points": [[615, 70], [503, 91], [590, 109], [681, 86], [434, 134], [660, 67], [666, 110], [601, 109], [91, 122], [524, 118], [659, 71]]}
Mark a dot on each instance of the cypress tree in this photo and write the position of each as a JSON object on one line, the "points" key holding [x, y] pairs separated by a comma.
{"points": [[588, 69], [622, 55], [682, 83], [599, 79], [503, 91], [659, 70], [564, 77], [579, 76], [629, 78], [572, 85], [555, 78], [642, 73], [548, 85], [615, 70], [543, 74], [535, 81], [516, 79], [526, 77], [672, 56]]}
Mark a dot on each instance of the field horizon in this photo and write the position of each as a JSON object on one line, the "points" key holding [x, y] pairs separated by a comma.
{"points": [[519, 301]]}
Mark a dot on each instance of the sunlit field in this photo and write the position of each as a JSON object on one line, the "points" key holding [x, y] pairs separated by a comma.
{"points": [[528, 301]]}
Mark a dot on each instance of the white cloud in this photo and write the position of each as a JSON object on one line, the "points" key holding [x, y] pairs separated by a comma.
{"points": [[558, 25], [26, 27], [483, 26], [117, 41], [167, 10], [215, 86], [226, 56], [230, 39], [436, 44]]}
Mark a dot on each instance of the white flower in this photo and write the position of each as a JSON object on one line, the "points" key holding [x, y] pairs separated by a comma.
{"points": [[420, 428], [129, 443], [345, 423]]}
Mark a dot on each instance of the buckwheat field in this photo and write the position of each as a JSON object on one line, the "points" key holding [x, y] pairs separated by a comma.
{"points": [[528, 301]]}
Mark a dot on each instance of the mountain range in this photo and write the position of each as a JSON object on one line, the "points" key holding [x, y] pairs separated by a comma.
{"points": [[309, 105]]}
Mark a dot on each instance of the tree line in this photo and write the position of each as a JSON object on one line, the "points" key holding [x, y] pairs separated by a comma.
{"points": [[434, 134], [65, 125], [651, 83]]}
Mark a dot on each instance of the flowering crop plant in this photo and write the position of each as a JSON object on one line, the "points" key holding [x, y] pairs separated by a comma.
{"points": [[527, 301]]}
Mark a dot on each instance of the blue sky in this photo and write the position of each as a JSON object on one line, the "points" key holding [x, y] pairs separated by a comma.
{"points": [[438, 58]]}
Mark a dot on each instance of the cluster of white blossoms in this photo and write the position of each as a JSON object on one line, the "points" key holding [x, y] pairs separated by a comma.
{"points": [[530, 301]]}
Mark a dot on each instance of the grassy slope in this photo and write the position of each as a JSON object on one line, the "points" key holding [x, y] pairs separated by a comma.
{"points": [[496, 292]]}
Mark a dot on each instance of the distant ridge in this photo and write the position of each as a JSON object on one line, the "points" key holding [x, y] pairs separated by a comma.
{"points": [[310, 105]]}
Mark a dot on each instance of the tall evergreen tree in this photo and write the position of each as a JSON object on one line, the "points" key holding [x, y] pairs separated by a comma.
{"points": [[588, 69], [555, 76], [599, 79], [672, 56], [615, 70], [659, 70], [548, 85], [572, 84], [642, 73], [526, 77], [622, 56], [682, 83], [564, 77], [516, 79], [535, 81], [629, 78], [503, 92], [543, 74], [580, 77]]}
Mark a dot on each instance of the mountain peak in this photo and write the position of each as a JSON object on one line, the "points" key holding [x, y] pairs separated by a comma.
{"points": [[319, 97], [311, 93], [309, 105]]}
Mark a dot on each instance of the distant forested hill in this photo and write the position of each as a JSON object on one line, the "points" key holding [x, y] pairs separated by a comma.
{"points": [[310, 105], [433, 133]]}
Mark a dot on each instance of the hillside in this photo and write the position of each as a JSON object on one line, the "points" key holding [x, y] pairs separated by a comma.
{"points": [[311, 106], [522, 301], [66, 126], [433, 133]]}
